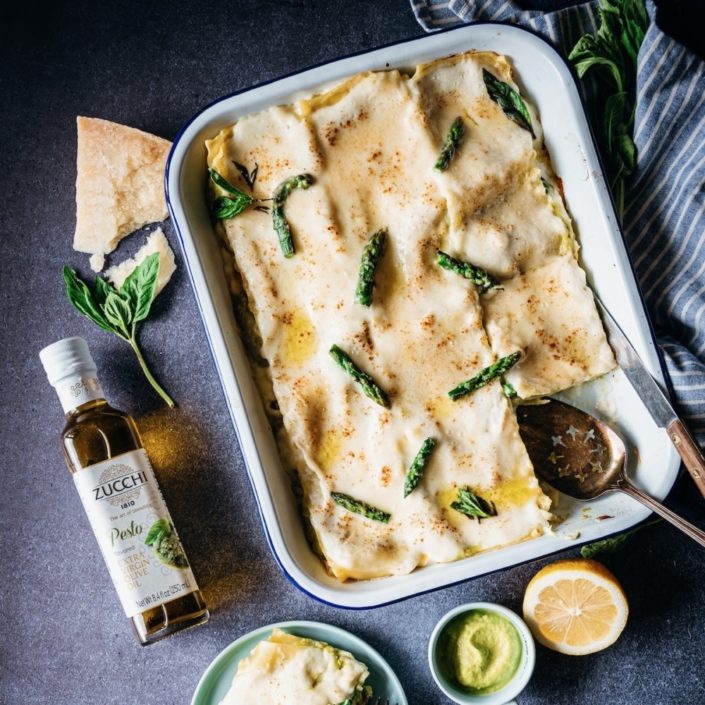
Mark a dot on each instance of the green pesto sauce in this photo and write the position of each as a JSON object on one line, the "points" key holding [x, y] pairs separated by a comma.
{"points": [[481, 651]]}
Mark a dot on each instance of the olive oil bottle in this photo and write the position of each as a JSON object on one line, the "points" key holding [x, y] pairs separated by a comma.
{"points": [[119, 492]]}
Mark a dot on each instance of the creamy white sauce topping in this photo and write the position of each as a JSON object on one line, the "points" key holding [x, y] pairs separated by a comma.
{"points": [[371, 144], [289, 670]]}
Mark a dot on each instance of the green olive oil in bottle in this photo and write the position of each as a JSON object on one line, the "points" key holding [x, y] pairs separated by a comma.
{"points": [[123, 502]]}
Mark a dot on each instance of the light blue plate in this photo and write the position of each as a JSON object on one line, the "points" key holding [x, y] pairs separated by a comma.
{"points": [[218, 678]]}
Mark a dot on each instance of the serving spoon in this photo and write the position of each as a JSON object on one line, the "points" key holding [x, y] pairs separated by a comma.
{"points": [[583, 457]]}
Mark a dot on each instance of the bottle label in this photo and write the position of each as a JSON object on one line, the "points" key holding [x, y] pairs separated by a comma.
{"points": [[76, 390], [134, 530]]}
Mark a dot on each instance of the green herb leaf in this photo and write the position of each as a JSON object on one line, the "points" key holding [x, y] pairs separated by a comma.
{"points": [[473, 505], [485, 376], [117, 312], [371, 255], [165, 544], [82, 299], [606, 546], [358, 507], [279, 221], [223, 183], [612, 544], [369, 387], [479, 277], [509, 100], [156, 531], [362, 696], [612, 53], [226, 207], [453, 139], [101, 290], [140, 287], [418, 466]]}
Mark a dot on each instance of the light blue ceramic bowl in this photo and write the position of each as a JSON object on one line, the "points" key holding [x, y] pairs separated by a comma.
{"points": [[217, 679], [521, 677]]}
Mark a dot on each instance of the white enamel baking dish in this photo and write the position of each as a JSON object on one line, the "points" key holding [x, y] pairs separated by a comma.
{"points": [[549, 84]]}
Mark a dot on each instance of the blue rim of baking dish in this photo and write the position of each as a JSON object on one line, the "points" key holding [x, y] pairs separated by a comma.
{"points": [[637, 287]]}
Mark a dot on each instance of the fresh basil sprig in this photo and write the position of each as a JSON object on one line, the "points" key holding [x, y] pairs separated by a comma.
{"points": [[119, 311], [236, 201], [612, 51], [226, 207], [509, 100], [473, 505]]}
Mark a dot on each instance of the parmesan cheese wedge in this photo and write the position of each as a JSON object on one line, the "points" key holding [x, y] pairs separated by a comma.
{"points": [[156, 242], [119, 185]]}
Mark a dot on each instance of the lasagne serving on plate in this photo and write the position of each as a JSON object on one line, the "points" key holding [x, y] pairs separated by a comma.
{"points": [[285, 669], [404, 270]]}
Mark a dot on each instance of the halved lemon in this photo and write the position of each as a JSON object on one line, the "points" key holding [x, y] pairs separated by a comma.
{"points": [[575, 607]]}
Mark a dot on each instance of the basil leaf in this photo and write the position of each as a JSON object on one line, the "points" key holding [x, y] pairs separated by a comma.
{"points": [[473, 505], [605, 547], [612, 51], [222, 182], [82, 299], [118, 314], [156, 531], [583, 66], [509, 100], [225, 208], [140, 287], [101, 290], [627, 152]]}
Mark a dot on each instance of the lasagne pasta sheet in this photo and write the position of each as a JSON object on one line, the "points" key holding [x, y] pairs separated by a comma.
{"points": [[285, 669], [371, 143]]}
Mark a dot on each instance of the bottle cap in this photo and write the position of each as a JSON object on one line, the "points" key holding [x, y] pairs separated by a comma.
{"points": [[72, 372], [69, 357]]}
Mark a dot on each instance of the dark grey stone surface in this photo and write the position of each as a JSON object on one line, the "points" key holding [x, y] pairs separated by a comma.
{"points": [[64, 640]]}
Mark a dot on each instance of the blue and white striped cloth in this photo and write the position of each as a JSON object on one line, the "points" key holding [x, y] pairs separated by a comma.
{"points": [[664, 219]]}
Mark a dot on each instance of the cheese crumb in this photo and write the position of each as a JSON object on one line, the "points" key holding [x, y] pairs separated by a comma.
{"points": [[97, 262]]}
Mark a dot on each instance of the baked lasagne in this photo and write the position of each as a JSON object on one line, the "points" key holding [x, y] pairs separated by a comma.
{"points": [[285, 669], [414, 274]]}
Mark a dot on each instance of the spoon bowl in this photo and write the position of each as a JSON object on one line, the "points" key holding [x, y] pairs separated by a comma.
{"points": [[583, 457]]}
